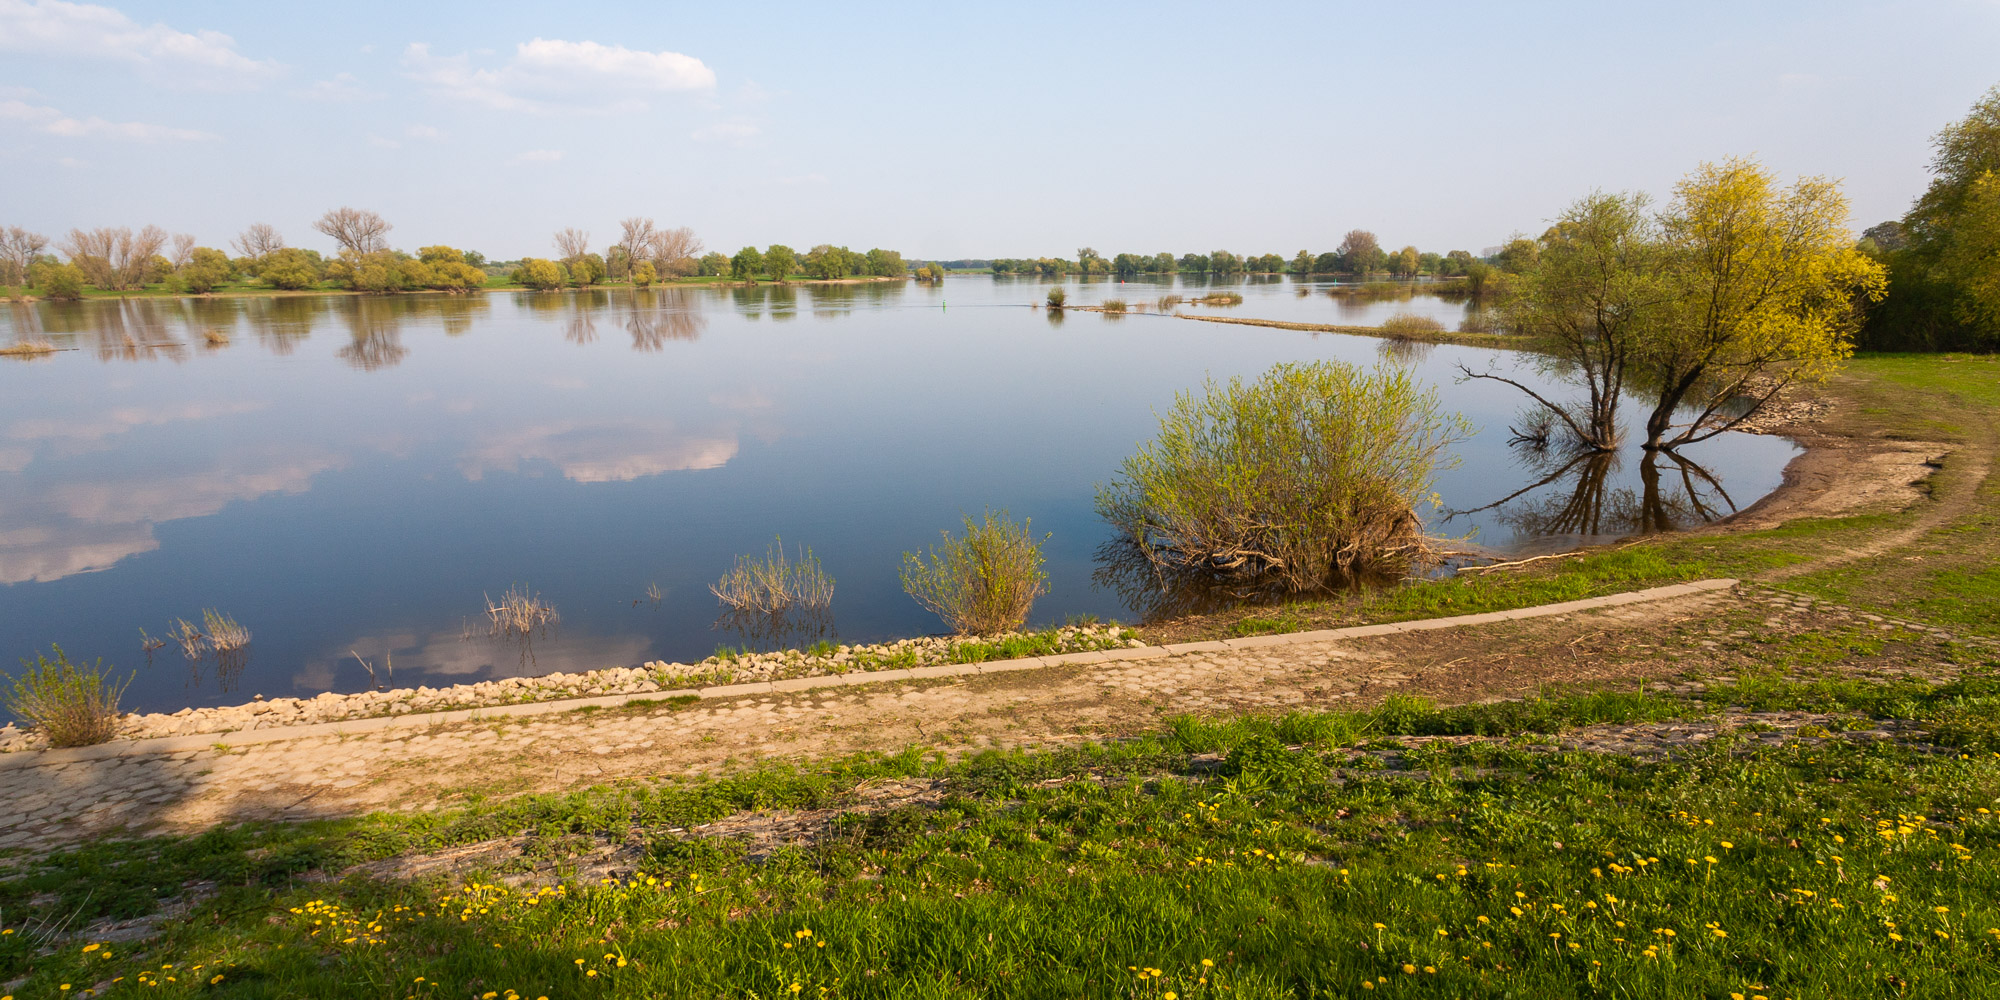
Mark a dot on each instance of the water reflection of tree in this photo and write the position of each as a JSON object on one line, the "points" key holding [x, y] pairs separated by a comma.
{"points": [[1156, 593], [655, 319], [767, 631], [1405, 350], [125, 330], [1584, 505], [375, 334], [282, 322]]}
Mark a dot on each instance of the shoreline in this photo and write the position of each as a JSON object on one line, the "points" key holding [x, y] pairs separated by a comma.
{"points": [[651, 677], [276, 293]]}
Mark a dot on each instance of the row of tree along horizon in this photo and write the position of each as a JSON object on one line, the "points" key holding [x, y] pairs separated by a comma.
{"points": [[1360, 253], [120, 259]]}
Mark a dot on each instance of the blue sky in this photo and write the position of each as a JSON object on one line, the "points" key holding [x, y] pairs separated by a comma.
{"points": [[1017, 129]]}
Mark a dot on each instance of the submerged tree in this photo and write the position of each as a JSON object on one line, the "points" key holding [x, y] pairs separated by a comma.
{"points": [[1763, 289], [1595, 295]]}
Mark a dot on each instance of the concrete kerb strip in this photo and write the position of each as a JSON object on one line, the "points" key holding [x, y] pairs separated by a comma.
{"points": [[356, 727]]}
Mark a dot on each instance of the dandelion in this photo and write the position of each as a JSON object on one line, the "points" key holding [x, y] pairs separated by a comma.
{"points": [[1408, 970]]}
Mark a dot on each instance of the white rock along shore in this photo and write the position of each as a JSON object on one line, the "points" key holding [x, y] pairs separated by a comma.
{"points": [[652, 676]]}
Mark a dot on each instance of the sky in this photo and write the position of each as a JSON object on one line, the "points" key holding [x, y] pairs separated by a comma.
{"points": [[965, 130]]}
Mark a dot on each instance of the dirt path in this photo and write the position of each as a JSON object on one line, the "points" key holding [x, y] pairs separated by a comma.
{"points": [[404, 770]]}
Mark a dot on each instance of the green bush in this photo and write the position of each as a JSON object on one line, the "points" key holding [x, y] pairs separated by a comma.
{"points": [[61, 282], [983, 583], [1057, 297], [1308, 478], [1114, 305], [72, 706], [539, 274]]}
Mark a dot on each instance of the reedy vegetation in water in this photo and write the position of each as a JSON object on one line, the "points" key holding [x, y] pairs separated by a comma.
{"points": [[775, 584]]}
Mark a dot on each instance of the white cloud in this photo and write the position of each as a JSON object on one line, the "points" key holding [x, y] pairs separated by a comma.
{"points": [[734, 133], [342, 89], [539, 156], [204, 59], [423, 132], [549, 75], [381, 143], [72, 162], [612, 452], [54, 122]]}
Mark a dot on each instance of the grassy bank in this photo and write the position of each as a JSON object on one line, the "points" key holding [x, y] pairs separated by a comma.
{"points": [[1306, 856]]}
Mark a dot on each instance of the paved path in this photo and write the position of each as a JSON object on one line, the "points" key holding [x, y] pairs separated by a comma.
{"points": [[187, 783]]}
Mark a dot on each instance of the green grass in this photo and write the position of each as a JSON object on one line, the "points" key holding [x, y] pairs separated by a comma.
{"points": [[1296, 864]]}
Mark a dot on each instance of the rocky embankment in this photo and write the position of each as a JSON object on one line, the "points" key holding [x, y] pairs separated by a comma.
{"points": [[650, 677]]}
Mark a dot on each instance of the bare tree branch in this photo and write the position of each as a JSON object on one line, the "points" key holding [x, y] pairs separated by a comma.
{"points": [[356, 230]]}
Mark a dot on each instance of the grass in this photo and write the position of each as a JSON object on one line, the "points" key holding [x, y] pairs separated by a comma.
{"points": [[1113, 305], [1292, 857], [1411, 325], [1220, 299], [27, 349]]}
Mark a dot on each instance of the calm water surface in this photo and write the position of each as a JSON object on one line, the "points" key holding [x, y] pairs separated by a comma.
{"points": [[353, 475]]}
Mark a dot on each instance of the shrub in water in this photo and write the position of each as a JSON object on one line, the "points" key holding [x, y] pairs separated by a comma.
{"points": [[73, 706], [1307, 478], [1057, 297], [1411, 325], [1114, 305], [983, 583]]}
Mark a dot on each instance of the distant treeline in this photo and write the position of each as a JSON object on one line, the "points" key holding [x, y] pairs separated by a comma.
{"points": [[1360, 253], [119, 259]]}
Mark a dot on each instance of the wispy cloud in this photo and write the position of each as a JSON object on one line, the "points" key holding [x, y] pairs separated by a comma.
{"points": [[202, 59], [549, 75], [735, 133], [46, 119], [343, 88], [423, 132], [382, 143]]}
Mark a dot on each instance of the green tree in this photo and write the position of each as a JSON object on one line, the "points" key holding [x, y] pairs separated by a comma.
{"points": [[206, 268], [1224, 262], [779, 261], [1303, 262], [56, 280], [644, 274], [586, 269], [712, 264], [1359, 251], [883, 263], [1328, 263], [1597, 294], [828, 262], [1456, 263], [289, 268], [1194, 263], [1763, 289], [541, 275], [1517, 256], [1944, 257], [1404, 263], [746, 265]]}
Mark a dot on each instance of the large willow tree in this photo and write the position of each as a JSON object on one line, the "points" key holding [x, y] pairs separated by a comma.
{"points": [[1763, 289]]}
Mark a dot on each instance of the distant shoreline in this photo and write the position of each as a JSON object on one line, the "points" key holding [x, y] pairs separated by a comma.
{"points": [[264, 293]]}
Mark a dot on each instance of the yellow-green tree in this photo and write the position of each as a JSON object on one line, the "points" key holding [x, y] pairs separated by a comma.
{"points": [[539, 274], [644, 274], [1764, 284]]}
